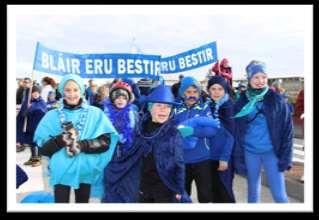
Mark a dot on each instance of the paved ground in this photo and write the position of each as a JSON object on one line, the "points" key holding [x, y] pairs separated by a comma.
{"points": [[38, 181]]}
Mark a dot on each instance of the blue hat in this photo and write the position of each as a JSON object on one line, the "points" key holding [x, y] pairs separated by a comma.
{"points": [[255, 67], [218, 80], [38, 197], [162, 94], [76, 78], [187, 82]]}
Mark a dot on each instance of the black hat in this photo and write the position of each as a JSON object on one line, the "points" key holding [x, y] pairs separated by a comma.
{"points": [[218, 80]]}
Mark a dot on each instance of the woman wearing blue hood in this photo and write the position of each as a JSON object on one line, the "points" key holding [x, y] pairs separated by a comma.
{"points": [[263, 135], [152, 170], [80, 141]]}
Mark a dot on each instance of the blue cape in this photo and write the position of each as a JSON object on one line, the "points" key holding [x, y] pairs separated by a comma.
{"points": [[82, 168]]}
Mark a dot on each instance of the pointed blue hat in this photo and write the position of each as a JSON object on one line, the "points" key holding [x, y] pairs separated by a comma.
{"points": [[162, 94]]}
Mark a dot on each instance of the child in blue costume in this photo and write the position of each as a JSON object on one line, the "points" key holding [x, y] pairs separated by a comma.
{"points": [[152, 170], [34, 113], [80, 141], [222, 109], [263, 135], [122, 113]]}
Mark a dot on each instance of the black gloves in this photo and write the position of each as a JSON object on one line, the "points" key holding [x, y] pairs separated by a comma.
{"points": [[56, 143], [93, 146]]}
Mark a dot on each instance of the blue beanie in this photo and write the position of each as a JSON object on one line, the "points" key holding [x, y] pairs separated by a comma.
{"points": [[218, 80], [187, 82], [255, 67], [76, 78]]}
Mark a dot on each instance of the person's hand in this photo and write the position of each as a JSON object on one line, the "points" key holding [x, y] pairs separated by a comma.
{"points": [[185, 131], [178, 197], [223, 165], [64, 139], [74, 133]]}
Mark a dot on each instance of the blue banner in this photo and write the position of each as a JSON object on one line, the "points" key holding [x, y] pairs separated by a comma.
{"points": [[116, 65], [189, 60]]}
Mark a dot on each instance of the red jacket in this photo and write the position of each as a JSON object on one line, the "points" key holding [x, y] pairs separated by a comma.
{"points": [[223, 69]]}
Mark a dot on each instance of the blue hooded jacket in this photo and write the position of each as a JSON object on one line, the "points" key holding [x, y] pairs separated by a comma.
{"points": [[122, 175], [280, 126], [220, 142], [34, 114], [201, 150]]}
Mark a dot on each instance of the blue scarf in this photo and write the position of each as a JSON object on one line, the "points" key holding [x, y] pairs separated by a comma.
{"points": [[217, 105], [254, 96], [121, 120]]}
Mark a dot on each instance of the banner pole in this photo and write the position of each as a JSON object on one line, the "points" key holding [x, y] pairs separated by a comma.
{"points": [[29, 101], [30, 89]]}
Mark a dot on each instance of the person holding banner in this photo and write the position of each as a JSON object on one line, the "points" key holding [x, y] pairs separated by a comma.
{"points": [[79, 141], [152, 170], [263, 134], [196, 153]]}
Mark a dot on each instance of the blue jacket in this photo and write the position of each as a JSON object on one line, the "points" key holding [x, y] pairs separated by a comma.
{"points": [[34, 114], [279, 121], [221, 143], [200, 152], [122, 175]]}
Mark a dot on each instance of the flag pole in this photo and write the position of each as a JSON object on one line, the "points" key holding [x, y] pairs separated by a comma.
{"points": [[29, 101], [30, 89]]}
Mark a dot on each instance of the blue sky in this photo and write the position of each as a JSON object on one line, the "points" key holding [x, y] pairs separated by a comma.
{"points": [[273, 34]]}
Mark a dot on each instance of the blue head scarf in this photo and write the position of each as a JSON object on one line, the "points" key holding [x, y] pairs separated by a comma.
{"points": [[76, 78]]}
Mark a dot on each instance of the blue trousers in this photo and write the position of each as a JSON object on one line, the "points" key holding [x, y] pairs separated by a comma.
{"points": [[275, 178]]}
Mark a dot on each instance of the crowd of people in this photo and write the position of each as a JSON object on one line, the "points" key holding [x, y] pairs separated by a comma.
{"points": [[127, 142]]}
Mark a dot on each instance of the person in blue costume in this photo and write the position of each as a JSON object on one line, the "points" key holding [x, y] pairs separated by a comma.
{"points": [[196, 150], [33, 111], [152, 170], [221, 107], [135, 90], [79, 141], [122, 113], [263, 135]]}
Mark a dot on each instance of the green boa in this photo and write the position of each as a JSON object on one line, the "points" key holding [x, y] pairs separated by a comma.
{"points": [[254, 96]]}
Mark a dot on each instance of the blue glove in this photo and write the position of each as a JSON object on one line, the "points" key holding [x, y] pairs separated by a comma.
{"points": [[185, 131], [205, 122]]}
